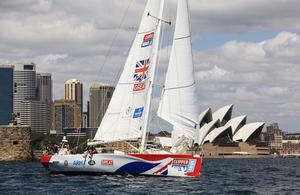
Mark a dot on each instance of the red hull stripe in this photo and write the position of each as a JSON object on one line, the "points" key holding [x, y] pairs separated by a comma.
{"points": [[45, 161], [162, 169], [156, 157], [196, 172]]}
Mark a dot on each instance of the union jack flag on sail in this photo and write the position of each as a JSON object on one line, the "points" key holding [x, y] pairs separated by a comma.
{"points": [[141, 70]]}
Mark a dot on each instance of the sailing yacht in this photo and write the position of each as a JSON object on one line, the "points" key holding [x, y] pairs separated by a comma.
{"points": [[127, 115]]}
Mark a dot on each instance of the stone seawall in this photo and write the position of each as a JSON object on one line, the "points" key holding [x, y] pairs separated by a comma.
{"points": [[15, 143]]}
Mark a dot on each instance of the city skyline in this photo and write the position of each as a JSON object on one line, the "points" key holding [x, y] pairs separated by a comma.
{"points": [[245, 52]]}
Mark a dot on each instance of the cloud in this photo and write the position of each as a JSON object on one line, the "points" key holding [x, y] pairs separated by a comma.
{"points": [[284, 45], [77, 39], [261, 78], [235, 16]]}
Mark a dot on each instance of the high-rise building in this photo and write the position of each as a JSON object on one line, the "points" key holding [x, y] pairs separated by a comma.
{"points": [[85, 119], [7, 98], [99, 98], [73, 90], [24, 79], [44, 93], [274, 129], [64, 114], [34, 114]]}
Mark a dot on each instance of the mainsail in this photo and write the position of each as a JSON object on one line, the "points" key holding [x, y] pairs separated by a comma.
{"points": [[125, 115], [179, 104]]}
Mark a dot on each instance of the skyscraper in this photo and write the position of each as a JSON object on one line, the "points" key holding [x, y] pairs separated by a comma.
{"points": [[73, 90], [6, 93], [24, 78], [100, 95], [64, 114], [34, 114], [44, 93]]}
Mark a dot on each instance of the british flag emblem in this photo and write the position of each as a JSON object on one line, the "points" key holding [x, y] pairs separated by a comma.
{"points": [[141, 70]]}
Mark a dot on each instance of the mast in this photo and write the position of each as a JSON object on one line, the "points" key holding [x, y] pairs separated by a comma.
{"points": [[149, 95]]}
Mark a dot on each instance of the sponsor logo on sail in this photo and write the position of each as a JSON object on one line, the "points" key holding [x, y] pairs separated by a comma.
{"points": [[138, 112], [141, 70], [139, 86], [107, 162], [148, 39], [128, 110]]}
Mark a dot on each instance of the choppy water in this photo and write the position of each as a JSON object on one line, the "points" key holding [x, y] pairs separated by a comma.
{"points": [[218, 176]]}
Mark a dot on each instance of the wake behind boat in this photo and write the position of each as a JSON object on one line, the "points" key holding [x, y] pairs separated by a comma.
{"points": [[128, 112]]}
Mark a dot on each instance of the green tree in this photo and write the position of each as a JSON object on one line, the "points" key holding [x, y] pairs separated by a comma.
{"points": [[273, 150], [164, 133], [40, 140]]}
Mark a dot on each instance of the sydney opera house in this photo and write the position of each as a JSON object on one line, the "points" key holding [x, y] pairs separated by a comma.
{"points": [[222, 135]]}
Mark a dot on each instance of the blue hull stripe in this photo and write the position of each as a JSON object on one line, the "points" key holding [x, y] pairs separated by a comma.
{"points": [[136, 167]]}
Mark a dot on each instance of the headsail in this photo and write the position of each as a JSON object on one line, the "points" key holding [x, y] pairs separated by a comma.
{"points": [[179, 104], [125, 115]]}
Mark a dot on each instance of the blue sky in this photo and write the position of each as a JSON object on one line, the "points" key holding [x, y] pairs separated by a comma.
{"points": [[246, 53], [212, 40]]}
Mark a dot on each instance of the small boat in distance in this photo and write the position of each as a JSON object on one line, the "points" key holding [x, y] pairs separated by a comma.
{"points": [[128, 112]]}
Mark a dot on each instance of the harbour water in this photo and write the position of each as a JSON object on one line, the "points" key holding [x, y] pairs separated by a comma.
{"points": [[218, 176]]}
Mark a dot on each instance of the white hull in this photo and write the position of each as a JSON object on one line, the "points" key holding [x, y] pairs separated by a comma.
{"points": [[137, 164]]}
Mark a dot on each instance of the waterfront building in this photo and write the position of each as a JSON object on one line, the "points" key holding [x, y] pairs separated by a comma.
{"points": [[274, 129], [89, 132], [7, 98], [44, 93], [275, 141], [34, 114], [73, 90], [275, 137], [24, 79], [221, 135], [290, 147], [99, 98], [64, 114], [123, 146], [292, 136]]}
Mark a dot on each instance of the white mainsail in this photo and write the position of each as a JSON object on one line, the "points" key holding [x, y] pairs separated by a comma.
{"points": [[179, 104], [125, 115]]}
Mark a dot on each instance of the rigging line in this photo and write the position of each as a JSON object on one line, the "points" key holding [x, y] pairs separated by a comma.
{"points": [[113, 42], [159, 124]]}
